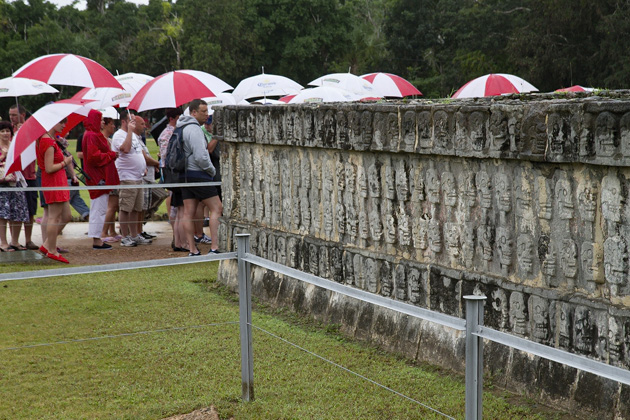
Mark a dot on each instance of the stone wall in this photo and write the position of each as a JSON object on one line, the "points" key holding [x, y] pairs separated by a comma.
{"points": [[523, 200]]}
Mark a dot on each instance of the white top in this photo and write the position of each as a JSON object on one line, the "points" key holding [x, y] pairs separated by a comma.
{"points": [[131, 166]]}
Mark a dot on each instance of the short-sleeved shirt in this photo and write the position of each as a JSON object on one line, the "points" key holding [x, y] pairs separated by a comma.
{"points": [[163, 139], [131, 166]]}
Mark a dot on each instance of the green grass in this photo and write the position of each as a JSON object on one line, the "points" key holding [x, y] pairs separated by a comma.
{"points": [[152, 376], [72, 147]]}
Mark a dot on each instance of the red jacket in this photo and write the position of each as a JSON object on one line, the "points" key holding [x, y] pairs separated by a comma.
{"points": [[98, 157]]}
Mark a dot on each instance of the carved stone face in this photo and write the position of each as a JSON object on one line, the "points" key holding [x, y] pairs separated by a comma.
{"points": [[415, 286], [564, 325], [433, 186], [420, 230], [525, 252], [467, 188], [392, 132], [587, 201], [342, 129], [504, 246], [504, 192], [359, 271], [498, 129], [440, 128], [624, 134], [478, 130], [449, 189], [374, 181], [364, 226], [366, 129], [404, 234], [402, 182], [418, 185], [601, 335], [409, 130], [485, 190], [328, 220], [292, 251], [548, 266], [468, 244], [390, 182], [461, 131], [539, 310], [390, 222], [611, 198], [350, 175], [486, 239], [380, 131], [387, 284], [435, 236], [564, 199], [606, 134], [451, 237], [534, 133], [400, 281], [305, 210], [583, 330], [615, 339], [568, 259], [518, 316], [372, 273], [615, 260], [523, 198], [313, 259], [324, 262], [362, 182], [556, 135], [591, 257], [376, 226], [281, 245], [500, 304], [423, 120]]}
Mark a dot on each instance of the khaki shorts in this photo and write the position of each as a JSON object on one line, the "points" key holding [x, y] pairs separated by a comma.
{"points": [[130, 199]]}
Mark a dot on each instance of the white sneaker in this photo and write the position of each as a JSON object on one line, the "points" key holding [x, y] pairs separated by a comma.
{"points": [[141, 240], [128, 241]]}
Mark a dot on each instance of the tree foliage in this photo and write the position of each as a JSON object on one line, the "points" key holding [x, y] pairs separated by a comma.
{"points": [[436, 44]]}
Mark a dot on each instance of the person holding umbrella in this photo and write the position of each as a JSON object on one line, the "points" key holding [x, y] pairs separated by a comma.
{"points": [[53, 163]]}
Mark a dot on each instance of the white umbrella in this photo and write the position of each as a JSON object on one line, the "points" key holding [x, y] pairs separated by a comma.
{"points": [[267, 101], [494, 85], [223, 98], [263, 85], [323, 94], [349, 82], [106, 97], [14, 87], [110, 112]]}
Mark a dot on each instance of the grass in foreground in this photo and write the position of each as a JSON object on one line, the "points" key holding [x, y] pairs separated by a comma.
{"points": [[158, 374]]}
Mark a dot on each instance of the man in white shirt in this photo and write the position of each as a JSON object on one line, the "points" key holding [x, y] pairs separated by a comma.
{"points": [[132, 166]]}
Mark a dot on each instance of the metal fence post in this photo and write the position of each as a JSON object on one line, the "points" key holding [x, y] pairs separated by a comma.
{"points": [[474, 357], [245, 317]]}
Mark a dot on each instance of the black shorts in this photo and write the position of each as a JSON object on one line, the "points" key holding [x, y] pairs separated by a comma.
{"points": [[176, 198], [198, 193], [31, 198]]}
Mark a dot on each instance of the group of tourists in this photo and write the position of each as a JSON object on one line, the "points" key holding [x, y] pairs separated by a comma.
{"points": [[117, 158]]}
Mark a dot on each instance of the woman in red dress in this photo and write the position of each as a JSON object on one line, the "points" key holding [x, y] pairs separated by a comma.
{"points": [[52, 163]]}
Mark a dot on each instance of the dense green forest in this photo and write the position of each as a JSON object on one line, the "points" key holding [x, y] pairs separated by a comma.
{"points": [[436, 44]]}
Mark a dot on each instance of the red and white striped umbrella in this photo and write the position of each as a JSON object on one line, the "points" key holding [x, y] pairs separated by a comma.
{"points": [[391, 85], [69, 70], [494, 85], [576, 88], [22, 148], [175, 88]]}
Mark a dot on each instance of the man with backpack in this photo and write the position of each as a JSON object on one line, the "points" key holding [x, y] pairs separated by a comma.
{"points": [[198, 168]]}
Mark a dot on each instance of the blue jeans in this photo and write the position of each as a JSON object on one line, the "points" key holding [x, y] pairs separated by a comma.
{"points": [[77, 203]]}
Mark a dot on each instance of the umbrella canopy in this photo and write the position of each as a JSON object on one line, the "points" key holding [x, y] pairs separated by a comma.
{"points": [[175, 88], [22, 149], [263, 85], [576, 88], [391, 85], [267, 101], [494, 85], [286, 99], [14, 87], [223, 98], [68, 69], [323, 94], [106, 97], [349, 82]]}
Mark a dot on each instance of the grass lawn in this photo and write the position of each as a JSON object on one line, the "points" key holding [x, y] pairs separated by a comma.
{"points": [[72, 147], [157, 374]]}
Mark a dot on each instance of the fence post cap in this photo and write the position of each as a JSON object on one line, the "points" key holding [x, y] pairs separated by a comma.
{"points": [[475, 297]]}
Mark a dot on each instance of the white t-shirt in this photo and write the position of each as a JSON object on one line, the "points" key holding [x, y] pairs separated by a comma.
{"points": [[131, 166]]}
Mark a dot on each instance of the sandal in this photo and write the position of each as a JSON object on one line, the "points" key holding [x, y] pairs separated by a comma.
{"points": [[31, 245], [7, 249], [17, 247]]}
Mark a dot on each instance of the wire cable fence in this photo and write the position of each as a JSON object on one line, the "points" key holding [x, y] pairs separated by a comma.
{"points": [[475, 331]]}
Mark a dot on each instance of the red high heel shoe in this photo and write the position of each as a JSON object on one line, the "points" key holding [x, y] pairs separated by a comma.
{"points": [[57, 258]]}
